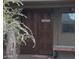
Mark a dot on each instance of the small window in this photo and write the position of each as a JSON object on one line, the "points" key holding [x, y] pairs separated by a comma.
{"points": [[68, 22]]}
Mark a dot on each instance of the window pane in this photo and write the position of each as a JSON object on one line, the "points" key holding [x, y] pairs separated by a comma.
{"points": [[68, 28], [68, 22], [68, 18]]}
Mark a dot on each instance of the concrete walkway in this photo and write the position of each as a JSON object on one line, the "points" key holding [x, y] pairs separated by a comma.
{"points": [[61, 55], [34, 57]]}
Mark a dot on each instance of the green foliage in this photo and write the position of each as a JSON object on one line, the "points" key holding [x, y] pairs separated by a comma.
{"points": [[12, 21]]}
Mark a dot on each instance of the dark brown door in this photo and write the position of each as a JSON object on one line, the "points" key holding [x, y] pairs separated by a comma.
{"points": [[39, 21]]}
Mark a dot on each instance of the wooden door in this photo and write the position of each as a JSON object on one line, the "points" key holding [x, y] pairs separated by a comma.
{"points": [[39, 21]]}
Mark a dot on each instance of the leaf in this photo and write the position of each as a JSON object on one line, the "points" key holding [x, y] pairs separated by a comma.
{"points": [[12, 24]]}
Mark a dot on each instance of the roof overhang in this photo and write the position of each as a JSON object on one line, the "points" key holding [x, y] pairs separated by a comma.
{"points": [[48, 3]]}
